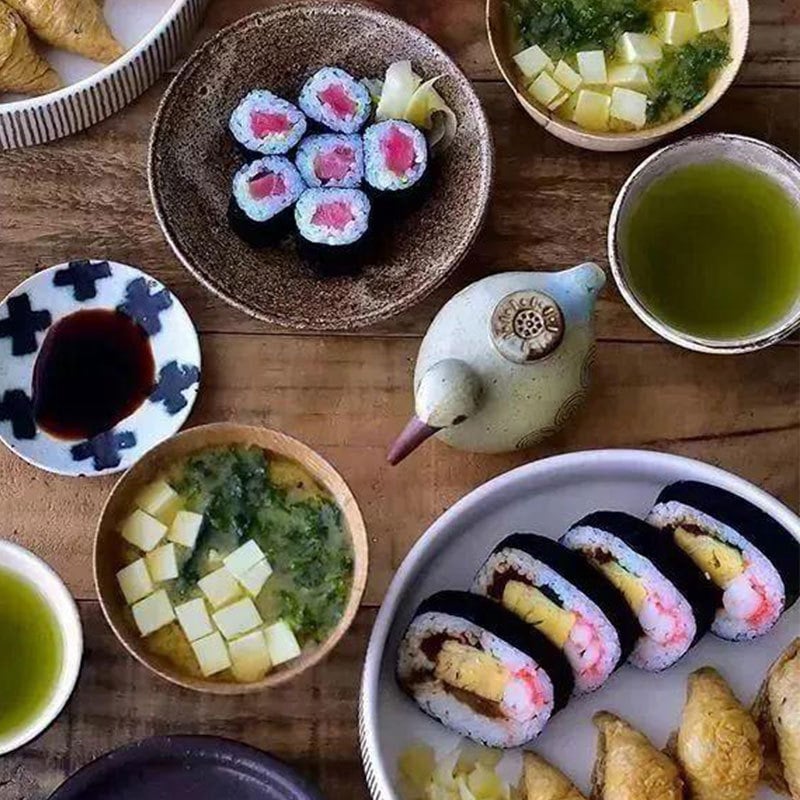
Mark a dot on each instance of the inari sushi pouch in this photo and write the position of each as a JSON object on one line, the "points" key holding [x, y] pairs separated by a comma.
{"points": [[22, 69]]}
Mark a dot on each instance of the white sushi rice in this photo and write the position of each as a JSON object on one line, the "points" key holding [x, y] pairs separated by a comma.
{"points": [[354, 230], [739, 599], [665, 613], [241, 126], [600, 643], [521, 720]]}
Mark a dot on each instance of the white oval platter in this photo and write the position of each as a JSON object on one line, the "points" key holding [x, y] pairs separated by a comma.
{"points": [[546, 497]]}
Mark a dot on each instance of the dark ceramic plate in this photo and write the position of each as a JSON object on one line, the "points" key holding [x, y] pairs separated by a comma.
{"points": [[192, 161], [185, 768]]}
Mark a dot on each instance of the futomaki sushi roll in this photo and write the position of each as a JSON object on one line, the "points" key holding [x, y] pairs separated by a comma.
{"points": [[336, 100], [262, 197], [331, 160], [671, 599], [333, 225], [481, 671], [748, 555], [395, 156], [554, 590], [265, 124]]}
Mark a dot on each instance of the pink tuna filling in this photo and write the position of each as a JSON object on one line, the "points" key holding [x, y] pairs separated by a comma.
{"points": [[398, 151], [338, 100], [334, 215], [335, 164], [269, 123], [266, 184]]}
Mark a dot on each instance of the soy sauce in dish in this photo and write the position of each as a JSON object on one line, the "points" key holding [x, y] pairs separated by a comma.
{"points": [[95, 368]]}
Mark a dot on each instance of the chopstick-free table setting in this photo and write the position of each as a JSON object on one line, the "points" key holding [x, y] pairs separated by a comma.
{"points": [[346, 388]]}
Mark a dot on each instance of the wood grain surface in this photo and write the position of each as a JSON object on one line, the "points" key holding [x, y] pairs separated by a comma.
{"points": [[348, 395]]}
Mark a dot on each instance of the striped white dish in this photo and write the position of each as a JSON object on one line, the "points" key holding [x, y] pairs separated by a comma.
{"points": [[42, 119]]}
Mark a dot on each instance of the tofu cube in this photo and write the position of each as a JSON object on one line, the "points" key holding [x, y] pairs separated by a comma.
{"points": [[163, 563], [254, 579], [160, 500], [639, 48], [243, 558], [193, 618], [250, 657], [675, 27], [591, 110], [153, 612], [567, 76], [142, 530], [632, 76], [237, 618], [135, 581], [592, 66], [544, 89], [532, 61], [281, 643], [629, 106], [220, 587], [212, 654], [184, 528], [709, 15], [559, 101]]}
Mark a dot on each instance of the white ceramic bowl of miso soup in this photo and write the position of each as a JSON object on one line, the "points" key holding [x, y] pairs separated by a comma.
{"points": [[704, 243], [230, 559]]}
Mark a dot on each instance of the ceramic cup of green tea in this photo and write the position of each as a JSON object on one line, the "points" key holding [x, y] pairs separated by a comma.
{"points": [[41, 645], [704, 243]]}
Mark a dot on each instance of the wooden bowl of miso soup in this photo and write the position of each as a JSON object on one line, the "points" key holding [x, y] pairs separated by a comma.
{"points": [[230, 559]]}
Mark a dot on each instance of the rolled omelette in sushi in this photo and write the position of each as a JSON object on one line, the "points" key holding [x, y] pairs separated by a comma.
{"points": [[264, 124], [395, 156], [673, 602], [336, 100], [556, 591], [750, 556], [481, 671], [331, 160], [262, 197]]}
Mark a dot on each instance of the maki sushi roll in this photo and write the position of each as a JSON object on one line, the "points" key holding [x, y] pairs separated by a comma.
{"points": [[481, 671], [395, 156], [748, 555], [336, 100], [331, 160], [262, 196], [558, 593], [671, 599], [265, 124], [333, 225]]}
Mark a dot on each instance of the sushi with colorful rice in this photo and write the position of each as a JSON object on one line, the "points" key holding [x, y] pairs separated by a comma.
{"points": [[336, 100], [672, 600], [481, 671], [331, 160], [395, 157], [558, 593], [752, 559], [262, 196], [265, 124]]}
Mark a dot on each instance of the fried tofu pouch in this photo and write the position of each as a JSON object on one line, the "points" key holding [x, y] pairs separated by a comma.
{"points": [[628, 767], [777, 712], [542, 781], [74, 25], [718, 744], [22, 69]]}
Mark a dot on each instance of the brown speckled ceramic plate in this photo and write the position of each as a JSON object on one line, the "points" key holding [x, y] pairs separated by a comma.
{"points": [[192, 161]]}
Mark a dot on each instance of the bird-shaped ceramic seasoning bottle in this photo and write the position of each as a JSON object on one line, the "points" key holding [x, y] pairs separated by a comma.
{"points": [[505, 362]]}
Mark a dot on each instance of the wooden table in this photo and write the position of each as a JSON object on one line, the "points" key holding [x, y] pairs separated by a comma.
{"points": [[348, 395]]}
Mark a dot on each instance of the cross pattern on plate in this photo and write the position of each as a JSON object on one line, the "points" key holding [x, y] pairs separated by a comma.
{"points": [[143, 307], [104, 449], [82, 276], [22, 324], [16, 407], [173, 380]]}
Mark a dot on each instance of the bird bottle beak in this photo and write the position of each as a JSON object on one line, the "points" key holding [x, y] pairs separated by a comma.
{"points": [[413, 435]]}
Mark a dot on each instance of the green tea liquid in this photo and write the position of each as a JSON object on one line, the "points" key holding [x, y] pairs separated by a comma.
{"points": [[30, 653], [713, 250]]}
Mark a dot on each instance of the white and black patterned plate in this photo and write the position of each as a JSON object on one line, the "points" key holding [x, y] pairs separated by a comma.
{"points": [[48, 296]]}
